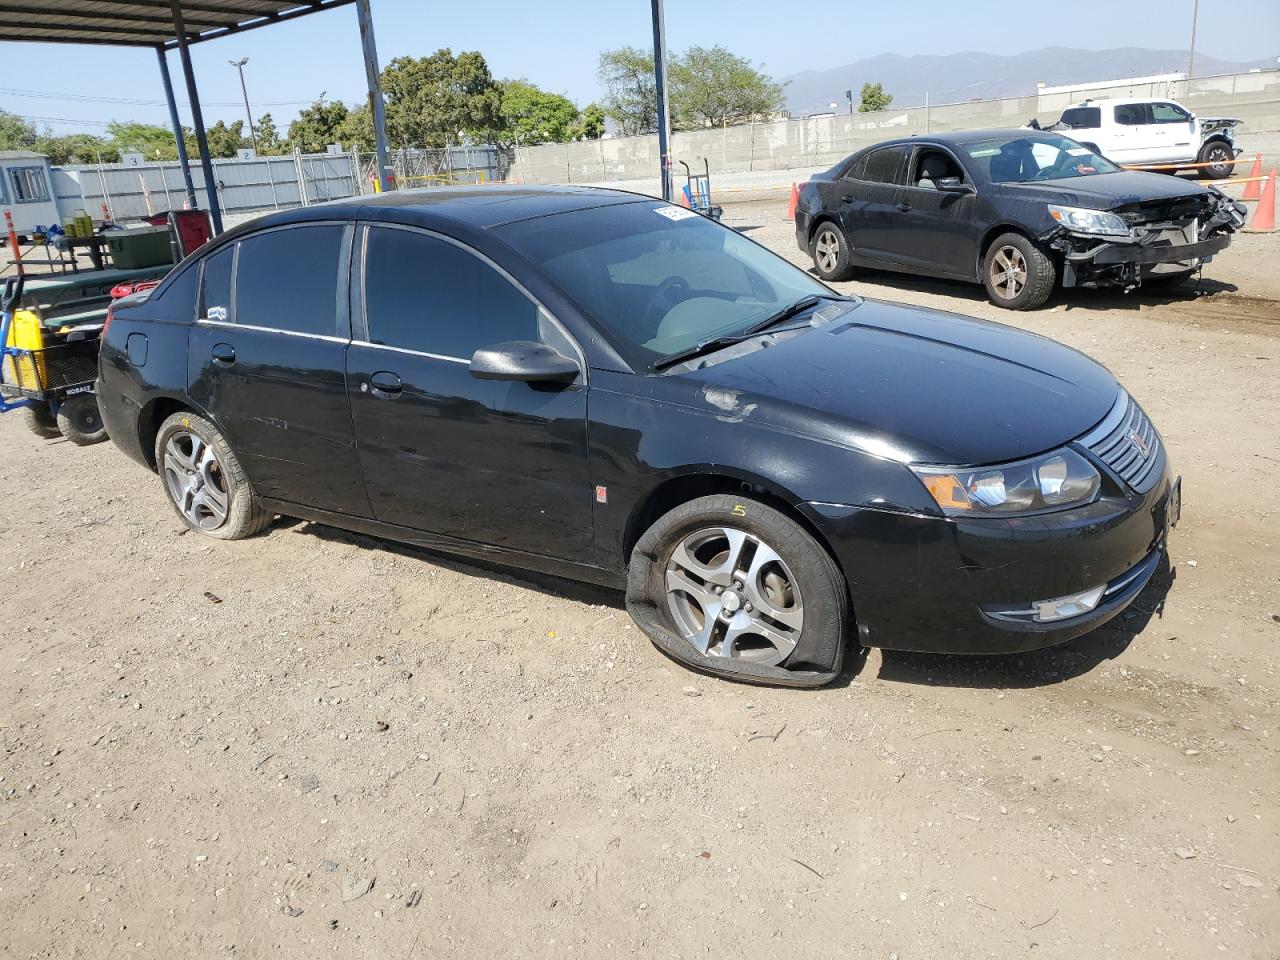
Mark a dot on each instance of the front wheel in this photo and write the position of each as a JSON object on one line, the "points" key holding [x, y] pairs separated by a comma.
{"points": [[1218, 156], [80, 422], [830, 251], [204, 480], [740, 589], [1018, 275]]}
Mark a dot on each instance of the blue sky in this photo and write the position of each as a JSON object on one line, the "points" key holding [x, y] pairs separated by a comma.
{"points": [[555, 44]]}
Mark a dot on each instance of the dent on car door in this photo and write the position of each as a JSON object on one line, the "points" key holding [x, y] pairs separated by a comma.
{"points": [[266, 359], [491, 461]]}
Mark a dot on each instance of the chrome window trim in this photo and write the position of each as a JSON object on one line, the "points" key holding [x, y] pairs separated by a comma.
{"points": [[368, 225], [232, 325], [412, 353]]}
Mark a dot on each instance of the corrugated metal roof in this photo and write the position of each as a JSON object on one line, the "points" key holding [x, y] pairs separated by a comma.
{"points": [[143, 23]]}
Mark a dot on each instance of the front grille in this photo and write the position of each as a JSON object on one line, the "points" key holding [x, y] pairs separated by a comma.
{"points": [[1128, 443], [1174, 210]]}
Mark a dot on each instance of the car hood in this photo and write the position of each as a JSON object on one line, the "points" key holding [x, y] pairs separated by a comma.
{"points": [[1106, 191], [908, 384]]}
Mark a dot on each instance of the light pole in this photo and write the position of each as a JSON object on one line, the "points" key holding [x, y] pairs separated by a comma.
{"points": [[239, 65], [1191, 56]]}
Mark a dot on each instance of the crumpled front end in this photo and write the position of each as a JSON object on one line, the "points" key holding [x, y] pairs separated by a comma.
{"points": [[1167, 236]]}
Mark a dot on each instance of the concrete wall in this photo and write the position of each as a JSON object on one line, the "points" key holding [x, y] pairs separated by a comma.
{"points": [[819, 142]]}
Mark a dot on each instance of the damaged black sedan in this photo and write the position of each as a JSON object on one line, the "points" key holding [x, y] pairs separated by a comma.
{"points": [[605, 387], [1019, 211]]}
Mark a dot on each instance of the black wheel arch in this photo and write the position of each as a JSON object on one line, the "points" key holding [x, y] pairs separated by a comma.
{"points": [[989, 237], [155, 412]]}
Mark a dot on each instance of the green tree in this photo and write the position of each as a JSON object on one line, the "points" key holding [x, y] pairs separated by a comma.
{"points": [[530, 114], [78, 148], [317, 126], [225, 139], [154, 142], [16, 133], [874, 98], [269, 142], [356, 132], [631, 92], [711, 87], [591, 125], [432, 100]]}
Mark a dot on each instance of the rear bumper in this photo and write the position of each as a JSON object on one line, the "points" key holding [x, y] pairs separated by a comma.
{"points": [[940, 585]]}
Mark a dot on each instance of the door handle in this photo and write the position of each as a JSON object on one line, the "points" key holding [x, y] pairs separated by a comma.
{"points": [[848, 198], [224, 353], [904, 207], [385, 385]]}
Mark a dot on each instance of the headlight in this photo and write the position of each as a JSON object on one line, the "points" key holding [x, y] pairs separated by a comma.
{"points": [[1089, 221], [1053, 481]]}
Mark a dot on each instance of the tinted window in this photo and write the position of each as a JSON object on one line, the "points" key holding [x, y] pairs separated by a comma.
{"points": [[1168, 113], [426, 294], [858, 169], [288, 280], [179, 295], [1131, 114], [215, 297], [882, 165], [1081, 118]]}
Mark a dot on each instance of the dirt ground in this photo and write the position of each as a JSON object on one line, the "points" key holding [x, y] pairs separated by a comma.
{"points": [[315, 744]]}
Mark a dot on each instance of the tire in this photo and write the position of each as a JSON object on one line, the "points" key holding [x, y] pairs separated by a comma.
{"points": [[80, 422], [1218, 153], [41, 421], [777, 601], [1024, 274], [830, 247], [204, 481]]}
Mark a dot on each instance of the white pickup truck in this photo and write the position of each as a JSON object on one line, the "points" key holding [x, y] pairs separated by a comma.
{"points": [[1152, 132]]}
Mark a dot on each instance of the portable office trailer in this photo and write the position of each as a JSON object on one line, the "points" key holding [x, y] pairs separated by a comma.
{"points": [[26, 190]]}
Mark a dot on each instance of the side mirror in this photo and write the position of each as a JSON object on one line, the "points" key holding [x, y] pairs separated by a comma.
{"points": [[952, 185], [523, 360]]}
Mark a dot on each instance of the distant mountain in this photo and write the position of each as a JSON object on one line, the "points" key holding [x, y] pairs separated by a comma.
{"points": [[979, 76]]}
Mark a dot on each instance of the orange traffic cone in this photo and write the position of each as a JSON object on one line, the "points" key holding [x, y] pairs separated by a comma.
{"points": [[1253, 189], [795, 199], [1264, 215]]}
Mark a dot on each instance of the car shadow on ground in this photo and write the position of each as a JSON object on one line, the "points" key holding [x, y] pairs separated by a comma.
{"points": [[1036, 668], [1069, 299], [1033, 669]]}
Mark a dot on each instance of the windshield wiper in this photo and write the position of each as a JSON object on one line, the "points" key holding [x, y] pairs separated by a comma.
{"points": [[729, 339]]}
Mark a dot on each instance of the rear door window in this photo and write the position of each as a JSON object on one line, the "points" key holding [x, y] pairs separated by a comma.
{"points": [[426, 294], [884, 164], [288, 279], [215, 289], [1131, 114], [1081, 118]]}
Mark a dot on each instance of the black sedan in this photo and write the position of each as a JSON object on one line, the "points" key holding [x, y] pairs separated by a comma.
{"points": [[1019, 211], [604, 387]]}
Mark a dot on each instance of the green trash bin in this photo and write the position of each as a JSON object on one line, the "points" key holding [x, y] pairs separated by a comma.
{"points": [[139, 247]]}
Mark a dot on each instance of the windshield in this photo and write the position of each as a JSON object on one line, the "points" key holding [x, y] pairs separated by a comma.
{"points": [[659, 279], [1044, 156]]}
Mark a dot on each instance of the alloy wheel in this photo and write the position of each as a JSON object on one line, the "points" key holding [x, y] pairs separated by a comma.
{"points": [[1218, 158], [1008, 272], [731, 595], [196, 481], [827, 251]]}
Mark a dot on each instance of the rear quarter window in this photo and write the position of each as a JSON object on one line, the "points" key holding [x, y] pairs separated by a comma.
{"points": [[177, 301], [1082, 118]]}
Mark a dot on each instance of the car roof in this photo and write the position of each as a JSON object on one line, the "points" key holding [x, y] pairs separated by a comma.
{"points": [[1119, 101], [477, 207]]}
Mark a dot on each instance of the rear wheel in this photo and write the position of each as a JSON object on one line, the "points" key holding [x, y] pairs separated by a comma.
{"points": [[1018, 275], [830, 251], [1218, 155], [80, 422], [204, 480], [41, 421]]}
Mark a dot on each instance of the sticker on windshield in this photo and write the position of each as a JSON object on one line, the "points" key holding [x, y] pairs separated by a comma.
{"points": [[1079, 151], [675, 213]]}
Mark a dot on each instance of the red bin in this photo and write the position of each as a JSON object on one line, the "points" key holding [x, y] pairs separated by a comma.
{"points": [[192, 228]]}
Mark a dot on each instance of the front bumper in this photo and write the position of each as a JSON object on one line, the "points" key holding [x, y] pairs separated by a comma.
{"points": [[938, 585]]}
